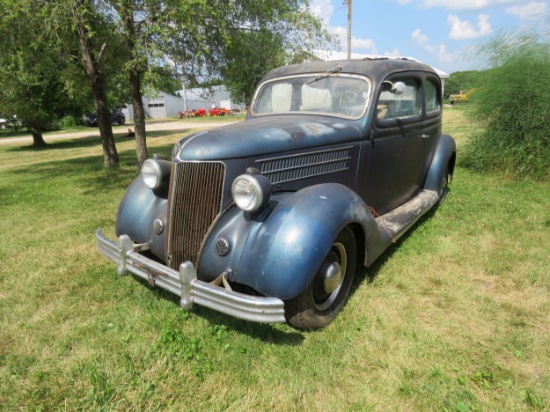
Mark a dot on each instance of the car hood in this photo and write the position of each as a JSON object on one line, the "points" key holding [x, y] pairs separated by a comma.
{"points": [[273, 134]]}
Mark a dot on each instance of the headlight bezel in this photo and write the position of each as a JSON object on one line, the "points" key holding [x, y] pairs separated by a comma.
{"points": [[260, 191], [155, 173]]}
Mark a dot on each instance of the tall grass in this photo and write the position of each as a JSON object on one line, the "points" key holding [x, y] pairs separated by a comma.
{"points": [[514, 103], [454, 317]]}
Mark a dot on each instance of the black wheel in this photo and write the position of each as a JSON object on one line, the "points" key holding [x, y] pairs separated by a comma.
{"points": [[444, 186], [319, 304], [121, 121]]}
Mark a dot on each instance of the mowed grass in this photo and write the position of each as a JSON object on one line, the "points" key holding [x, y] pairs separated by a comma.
{"points": [[454, 317]]}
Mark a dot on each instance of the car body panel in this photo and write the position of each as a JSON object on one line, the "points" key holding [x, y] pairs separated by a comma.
{"points": [[267, 135]]}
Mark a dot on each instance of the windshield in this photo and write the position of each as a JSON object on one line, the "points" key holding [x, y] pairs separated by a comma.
{"points": [[337, 95]]}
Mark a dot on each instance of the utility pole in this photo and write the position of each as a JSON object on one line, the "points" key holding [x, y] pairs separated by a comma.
{"points": [[348, 2], [184, 89]]}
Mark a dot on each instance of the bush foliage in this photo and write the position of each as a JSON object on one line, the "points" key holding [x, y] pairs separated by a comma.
{"points": [[514, 105]]}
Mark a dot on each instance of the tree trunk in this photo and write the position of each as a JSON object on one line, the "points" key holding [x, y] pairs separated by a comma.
{"points": [[37, 139], [135, 72], [93, 69], [139, 117], [110, 154]]}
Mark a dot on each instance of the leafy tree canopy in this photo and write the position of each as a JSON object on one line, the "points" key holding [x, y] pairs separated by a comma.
{"points": [[36, 83]]}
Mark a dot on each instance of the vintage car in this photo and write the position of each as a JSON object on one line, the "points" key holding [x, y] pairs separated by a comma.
{"points": [[462, 96], [117, 117], [268, 219]]}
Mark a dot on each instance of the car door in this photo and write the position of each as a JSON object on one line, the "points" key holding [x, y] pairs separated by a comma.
{"points": [[396, 148], [431, 125]]}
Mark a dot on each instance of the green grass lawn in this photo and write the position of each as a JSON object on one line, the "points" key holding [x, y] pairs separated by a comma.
{"points": [[455, 317]]}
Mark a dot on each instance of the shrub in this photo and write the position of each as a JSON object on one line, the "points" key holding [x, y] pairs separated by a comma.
{"points": [[514, 104], [69, 122]]}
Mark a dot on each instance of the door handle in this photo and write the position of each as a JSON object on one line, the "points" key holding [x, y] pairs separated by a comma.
{"points": [[425, 136]]}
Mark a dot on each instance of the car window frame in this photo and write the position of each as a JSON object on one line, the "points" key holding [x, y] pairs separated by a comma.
{"points": [[393, 122], [437, 112]]}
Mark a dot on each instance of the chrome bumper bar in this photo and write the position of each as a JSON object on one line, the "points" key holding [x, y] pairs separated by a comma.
{"points": [[186, 285]]}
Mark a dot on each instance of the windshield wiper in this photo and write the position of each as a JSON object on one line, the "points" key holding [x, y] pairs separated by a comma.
{"points": [[326, 74]]}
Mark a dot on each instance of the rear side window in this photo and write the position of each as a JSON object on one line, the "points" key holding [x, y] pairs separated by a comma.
{"points": [[432, 97], [392, 105]]}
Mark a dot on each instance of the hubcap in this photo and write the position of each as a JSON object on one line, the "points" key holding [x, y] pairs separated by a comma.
{"points": [[330, 277], [333, 277]]}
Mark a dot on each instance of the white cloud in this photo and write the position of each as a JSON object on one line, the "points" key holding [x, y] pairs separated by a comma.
{"points": [[322, 9], [444, 56], [463, 4], [422, 40], [419, 38], [356, 42], [440, 51], [529, 11], [393, 53], [461, 30]]}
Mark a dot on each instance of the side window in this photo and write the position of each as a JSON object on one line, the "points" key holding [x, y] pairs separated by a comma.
{"points": [[432, 98], [392, 105]]}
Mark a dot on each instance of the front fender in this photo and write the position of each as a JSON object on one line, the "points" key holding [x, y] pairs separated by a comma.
{"points": [[279, 253], [139, 207], [445, 155]]}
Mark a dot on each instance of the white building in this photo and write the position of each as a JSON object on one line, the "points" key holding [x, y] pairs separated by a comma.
{"points": [[165, 105], [160, 105], [208, 98]]}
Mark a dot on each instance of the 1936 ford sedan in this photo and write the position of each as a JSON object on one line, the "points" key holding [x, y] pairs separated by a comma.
{"points": [[268, 219]]}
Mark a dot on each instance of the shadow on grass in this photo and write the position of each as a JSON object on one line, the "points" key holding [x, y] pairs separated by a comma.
{"points": [[372, 271], [94, 140], [87, 173], [74, 143], [272, 334], [264, 332]]}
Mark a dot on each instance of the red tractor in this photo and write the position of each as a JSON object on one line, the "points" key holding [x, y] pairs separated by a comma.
{"points": [[217, 112]]}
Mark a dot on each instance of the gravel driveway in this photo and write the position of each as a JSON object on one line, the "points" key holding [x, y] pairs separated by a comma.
{"points": [[168, 125]]}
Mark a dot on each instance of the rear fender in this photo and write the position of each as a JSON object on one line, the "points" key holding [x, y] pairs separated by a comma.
{"points": [[445, 155], [279, 251]]}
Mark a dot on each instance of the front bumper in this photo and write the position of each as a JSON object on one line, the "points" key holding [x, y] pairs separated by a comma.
{"points": [[186, 285]]}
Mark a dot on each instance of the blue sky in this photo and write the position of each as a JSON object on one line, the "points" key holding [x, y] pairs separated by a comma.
{"points": [[438, 32]]}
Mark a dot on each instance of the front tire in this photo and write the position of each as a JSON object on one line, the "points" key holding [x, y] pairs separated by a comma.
{"points": [[319, 304]]}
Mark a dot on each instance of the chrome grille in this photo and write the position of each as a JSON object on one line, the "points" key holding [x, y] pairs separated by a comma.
{"points": [[295, 167], [195, 202]]}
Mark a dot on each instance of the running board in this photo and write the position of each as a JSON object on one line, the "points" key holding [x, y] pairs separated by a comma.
{"points": [[396, 222]]}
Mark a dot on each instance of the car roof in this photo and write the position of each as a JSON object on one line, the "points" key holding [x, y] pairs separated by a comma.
{"points": [[376, 68]]}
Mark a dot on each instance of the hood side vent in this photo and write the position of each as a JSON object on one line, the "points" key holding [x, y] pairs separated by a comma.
{"points": [[301, 166]]}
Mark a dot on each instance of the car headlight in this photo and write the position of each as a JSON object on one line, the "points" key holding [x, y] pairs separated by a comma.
{"points": [[155, 173], [251, 192]]}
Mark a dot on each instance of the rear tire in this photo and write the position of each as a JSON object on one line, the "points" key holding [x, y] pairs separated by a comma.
{"points": [[316, 307], [444, 186]]}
